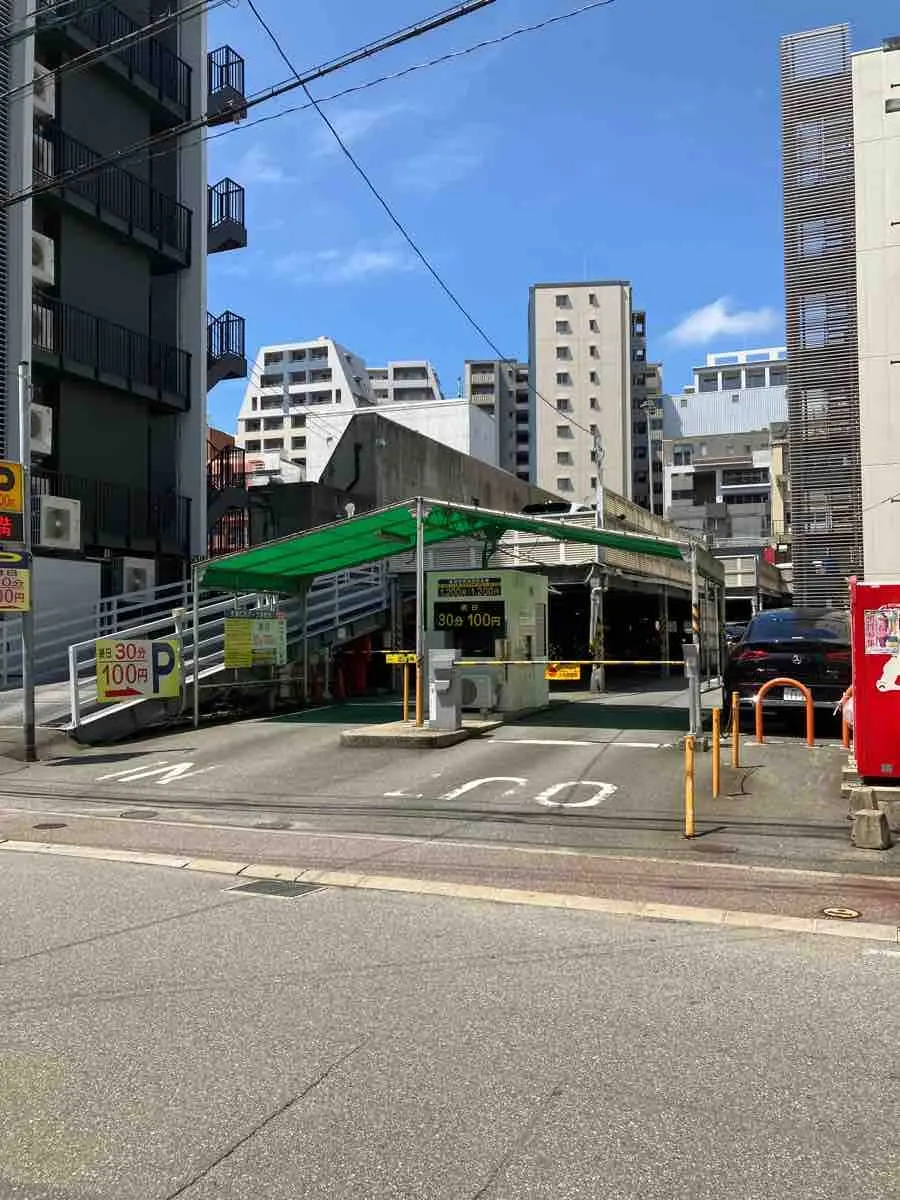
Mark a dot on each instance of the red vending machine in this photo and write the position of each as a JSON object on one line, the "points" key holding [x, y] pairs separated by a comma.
{"points": [[875, 636]]}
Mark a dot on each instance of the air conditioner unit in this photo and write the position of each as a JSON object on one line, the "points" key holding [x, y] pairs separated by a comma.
{"points": [[478, 692], [138, 575], [41, 429], [43, 258], [44, 91], [60, 523], [43, 328]]}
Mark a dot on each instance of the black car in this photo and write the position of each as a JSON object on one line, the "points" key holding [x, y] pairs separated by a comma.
{"points": [[810, 645], [734, 631]]}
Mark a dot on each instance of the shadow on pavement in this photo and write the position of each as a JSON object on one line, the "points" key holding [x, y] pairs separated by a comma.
{"points": [[589, 714]]}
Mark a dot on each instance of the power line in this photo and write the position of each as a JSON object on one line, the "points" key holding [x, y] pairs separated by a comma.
{"points": [[10, 35], [407, 34], [395, 220], [126, 42]]}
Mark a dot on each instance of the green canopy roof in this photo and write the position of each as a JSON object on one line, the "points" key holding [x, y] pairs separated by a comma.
{"points": [[288, 564]]}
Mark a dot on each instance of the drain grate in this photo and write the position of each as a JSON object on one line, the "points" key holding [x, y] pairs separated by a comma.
{"points": [[50, 825], [283, 889], [139, 814]]}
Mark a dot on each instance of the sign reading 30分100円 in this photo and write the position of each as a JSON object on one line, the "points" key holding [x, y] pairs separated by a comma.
{"points": [[131, 670]]}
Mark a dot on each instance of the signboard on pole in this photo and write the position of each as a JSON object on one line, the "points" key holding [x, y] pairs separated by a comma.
{"points": [[562, 671], [132, 670], [12, 502], [15, 581], [255, 642]]}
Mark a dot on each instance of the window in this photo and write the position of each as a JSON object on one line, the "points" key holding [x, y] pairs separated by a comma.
{"points": [[756, 378], [563, 327], [594, 325], [337, 395], [563, 301], [563, 404], [253, 444], [594, 377], [273, 423], [274, 356], [271, 402], [730, 380], [593, 481], [254, 403], [777, 376], [297, 377], [563, 352], [298, 421], [592, 299], [273, 444], [564, 484], [319, 352], [271, 381], [594, 352], [563, 458], [710, 382], [298, 443], [563, 378], [640, 452], [298, 355], [593, 430], [594, 402], [323, 375], [252, 425], [564, 431], [521, 418], [683, 456]]}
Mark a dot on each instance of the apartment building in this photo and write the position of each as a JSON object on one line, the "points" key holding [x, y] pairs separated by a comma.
{"points": [[732, 391], [588, 363], [105, 284], [499, 388], [302, 396]]}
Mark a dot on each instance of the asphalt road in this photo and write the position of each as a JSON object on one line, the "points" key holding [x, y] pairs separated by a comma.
{"points": [[164, 1037], [588, 777]]}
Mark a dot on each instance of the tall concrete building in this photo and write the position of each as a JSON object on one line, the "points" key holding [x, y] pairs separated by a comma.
{"points": [[588, 362], [408, 381], [499, 387], [104, 283]]}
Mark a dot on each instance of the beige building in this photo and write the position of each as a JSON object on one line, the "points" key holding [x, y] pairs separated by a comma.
{"points": [[588, 351], [876, 138]]}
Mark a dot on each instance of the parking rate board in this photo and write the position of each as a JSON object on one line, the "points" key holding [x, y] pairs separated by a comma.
{"points": [[131, 670], [15, 581]]}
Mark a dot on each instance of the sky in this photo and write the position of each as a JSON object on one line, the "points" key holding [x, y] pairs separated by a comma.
{"points": [[637, 141]]}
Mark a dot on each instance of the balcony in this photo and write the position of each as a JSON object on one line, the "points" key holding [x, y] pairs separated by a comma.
{"points": [[71, 341], [226, 223], [114, 196], [226, 356], [226, 100], [121, 518], [145, 62]]}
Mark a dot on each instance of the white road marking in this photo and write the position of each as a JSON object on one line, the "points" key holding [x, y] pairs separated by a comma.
{"points": [[168, 772], [884, 953], [603, 792], [404, 795], [476, 783], [514, 741]]}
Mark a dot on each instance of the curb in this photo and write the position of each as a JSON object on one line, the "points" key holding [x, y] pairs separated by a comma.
{"points": [[860, 931]]}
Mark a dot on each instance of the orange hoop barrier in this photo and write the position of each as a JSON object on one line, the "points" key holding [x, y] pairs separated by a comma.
{"points": [[845, 724], [810, 712]]}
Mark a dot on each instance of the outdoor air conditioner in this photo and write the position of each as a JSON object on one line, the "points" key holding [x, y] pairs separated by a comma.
{"points": [[478, 692], [43, 329], [138, 575], [42, 258], [60, 523], [41, 429], [44, 91]]}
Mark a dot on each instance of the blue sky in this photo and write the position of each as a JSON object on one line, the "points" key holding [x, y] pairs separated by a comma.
{"points": [[639, 141]]}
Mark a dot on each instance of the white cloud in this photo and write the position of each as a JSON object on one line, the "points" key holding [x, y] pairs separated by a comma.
{"points": [[350, 265], [353, 124], [445, 163], [256, 165], [718, 320]]}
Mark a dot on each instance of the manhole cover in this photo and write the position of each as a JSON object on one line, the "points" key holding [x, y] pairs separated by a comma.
{"points": [[50, 825], [139, 814], [283, 889], [842, 914]]}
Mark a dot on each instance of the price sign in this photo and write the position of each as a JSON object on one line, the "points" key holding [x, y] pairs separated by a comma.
{"points": [[398, 660], [562, 671], [131, 670], [489, 617], [255, 641]]}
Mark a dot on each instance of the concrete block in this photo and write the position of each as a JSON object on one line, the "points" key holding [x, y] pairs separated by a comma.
{"points": [[870, 830], [861, 798]]}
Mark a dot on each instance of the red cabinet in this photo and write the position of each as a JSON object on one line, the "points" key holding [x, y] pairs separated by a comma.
{"points": [[875, 636]]}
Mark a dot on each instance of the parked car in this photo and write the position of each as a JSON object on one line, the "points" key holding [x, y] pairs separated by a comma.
{"points": [[807, 644], [734, 631]]}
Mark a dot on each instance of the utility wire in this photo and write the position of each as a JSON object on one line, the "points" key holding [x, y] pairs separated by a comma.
{"points": [[39, 26], [407, 34], [126, 42], [395, 220]]}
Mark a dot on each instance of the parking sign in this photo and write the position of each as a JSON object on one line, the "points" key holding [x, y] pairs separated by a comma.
{"points": [[132, 670]]}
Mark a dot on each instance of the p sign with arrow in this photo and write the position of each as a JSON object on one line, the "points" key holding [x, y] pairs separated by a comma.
{"points": [[137, 670]]}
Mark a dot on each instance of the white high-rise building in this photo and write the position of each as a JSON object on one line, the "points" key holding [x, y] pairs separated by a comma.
{"points": [[302, 395]]}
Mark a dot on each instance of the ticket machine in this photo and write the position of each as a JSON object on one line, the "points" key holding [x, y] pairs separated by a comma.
{"points": [[496, 620]]}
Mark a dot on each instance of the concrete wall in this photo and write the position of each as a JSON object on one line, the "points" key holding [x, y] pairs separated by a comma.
{"points": [[562, 450], [278, 510], [394, 463], [877, 154]]}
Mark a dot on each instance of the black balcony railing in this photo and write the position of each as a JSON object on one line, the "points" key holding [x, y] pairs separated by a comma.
{"points": [[226, 336], [112, 190], [226, 98], [116, 516], [226, 216], [70, 336], [227, 469], [146, 57]]}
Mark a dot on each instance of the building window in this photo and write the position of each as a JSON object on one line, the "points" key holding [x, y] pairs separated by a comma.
{"points": [[253, 444], [777, 376], [594, 402], [563, 378], [594, 352], [271, 402], [273, 443], [730, 380], [563, 404], [320, 352], [563, 327], [274, 356], [564, 431], [592, 299], [298, 443], [594, 430], [563, 458], [298, 421], [268, 381], [683, 456], [640, 452], [564, 484], [273, 423], [521, 417], [594, 377], [563, 352], [594, 325], [593, 481], [298, 356], [252, 425], [297, 377], [709, 383], [563, 301], [254, 403], [756, 378]]}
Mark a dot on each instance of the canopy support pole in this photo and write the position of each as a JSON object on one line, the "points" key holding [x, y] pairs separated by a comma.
{"points": [[420, 608]]}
